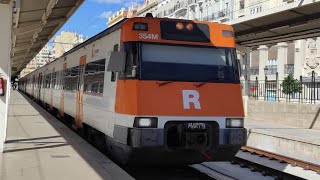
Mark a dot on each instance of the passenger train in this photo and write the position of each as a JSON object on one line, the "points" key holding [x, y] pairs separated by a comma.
{"points": [[157, 90]]}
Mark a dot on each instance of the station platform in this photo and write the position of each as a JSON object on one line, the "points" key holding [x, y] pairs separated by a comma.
{"points": [[298, 143], [39, 147]]}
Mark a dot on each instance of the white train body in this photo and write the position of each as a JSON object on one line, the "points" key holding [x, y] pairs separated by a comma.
{"points": [[79, 86]]}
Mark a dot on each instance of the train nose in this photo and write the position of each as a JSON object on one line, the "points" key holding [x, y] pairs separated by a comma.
{"points": [[190, 135], [201, 139]]}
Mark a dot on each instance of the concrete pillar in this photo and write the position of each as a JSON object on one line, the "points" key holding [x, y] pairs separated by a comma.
{"points": [[5, 47], [298, 59], [247, 62], [245, 56], [282, 59], [318, 47], [197, 14], [303, 54], [263, 58]]}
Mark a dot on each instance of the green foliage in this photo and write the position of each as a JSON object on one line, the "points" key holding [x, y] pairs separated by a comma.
{"points": [[290, 85]]}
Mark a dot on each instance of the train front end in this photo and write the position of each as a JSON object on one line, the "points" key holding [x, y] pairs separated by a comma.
{"points": [[178, 97]]}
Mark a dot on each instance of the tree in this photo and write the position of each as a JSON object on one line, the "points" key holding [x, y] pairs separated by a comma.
{"points": [[290, 85]]}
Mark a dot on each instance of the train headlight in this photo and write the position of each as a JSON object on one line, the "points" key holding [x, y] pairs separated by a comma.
{"points": [[179, 26], [145, 122], [189, 27], [234, 123], [140, 26]]}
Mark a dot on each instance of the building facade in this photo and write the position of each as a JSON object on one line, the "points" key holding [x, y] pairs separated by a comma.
{"points": [[64, 42], [120, 15], [149, 6], [42, 58]]}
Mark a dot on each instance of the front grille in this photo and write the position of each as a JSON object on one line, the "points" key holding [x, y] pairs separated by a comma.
{"points": [[191, 134]]}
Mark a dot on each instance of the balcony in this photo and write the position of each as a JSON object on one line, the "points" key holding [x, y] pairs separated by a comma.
{"points": [[192, 2]]}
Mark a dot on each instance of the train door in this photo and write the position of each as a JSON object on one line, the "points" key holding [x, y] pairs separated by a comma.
{"points": [[80, 91], [39, 86], [43, 90], [51, 87], [62, 86], [25, 85], [33, 84]]}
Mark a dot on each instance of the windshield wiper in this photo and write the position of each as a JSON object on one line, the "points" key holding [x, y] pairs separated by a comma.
{"points": [[204, 82], [163, 83]]}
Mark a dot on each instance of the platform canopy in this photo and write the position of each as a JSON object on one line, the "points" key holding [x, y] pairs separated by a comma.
{"points": [[294, 21], [34, 24]]}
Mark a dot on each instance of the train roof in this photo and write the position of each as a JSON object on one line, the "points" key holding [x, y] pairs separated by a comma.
{"points": [[96, 37]]}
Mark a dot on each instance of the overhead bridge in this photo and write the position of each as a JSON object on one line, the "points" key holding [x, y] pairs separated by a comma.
{"points": [[34, 22], [294, 20]]}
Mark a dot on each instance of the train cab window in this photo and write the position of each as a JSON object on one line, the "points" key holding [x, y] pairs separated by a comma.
{"points": [[131, 61], [113, 74]]}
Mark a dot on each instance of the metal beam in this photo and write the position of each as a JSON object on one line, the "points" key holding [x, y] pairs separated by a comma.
{"points": [[291, 22], [4, 1], [16, 57], [26, 29], [285, 37], [31, 11], [55, 22], [22, 44], [29, 23], [26, 46]]}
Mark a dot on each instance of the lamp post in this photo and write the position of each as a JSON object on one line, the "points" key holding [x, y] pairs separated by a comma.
{"points": [[265, 81], [265, 70], [48, 58]]}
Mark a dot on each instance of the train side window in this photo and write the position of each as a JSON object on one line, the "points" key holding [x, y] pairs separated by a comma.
{"points": [[131, 60], [53, 81], [116, 47], [94, 77], [71, 79], [49, 80]]}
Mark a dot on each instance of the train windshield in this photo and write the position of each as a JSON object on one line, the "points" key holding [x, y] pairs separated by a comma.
{"points": [[187, 63]]}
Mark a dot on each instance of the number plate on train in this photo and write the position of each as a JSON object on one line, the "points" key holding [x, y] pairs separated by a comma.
{"points": [[192, 126]]}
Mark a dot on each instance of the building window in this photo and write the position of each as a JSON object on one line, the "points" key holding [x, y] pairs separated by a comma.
{"points": [[241, 4]]}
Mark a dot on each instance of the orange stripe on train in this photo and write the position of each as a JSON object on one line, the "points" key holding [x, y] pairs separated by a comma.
{"points": [[178, 99]]}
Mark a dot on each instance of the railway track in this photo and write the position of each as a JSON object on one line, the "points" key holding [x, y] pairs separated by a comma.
{"points": [[167, 173], [283, 159], [242, 167], [252, 163]]}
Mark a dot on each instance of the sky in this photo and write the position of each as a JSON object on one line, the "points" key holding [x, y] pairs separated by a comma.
{"points": [[92, 16]]}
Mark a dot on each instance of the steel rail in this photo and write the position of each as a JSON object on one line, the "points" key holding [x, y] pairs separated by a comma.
{"points": [[281, 158]]}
